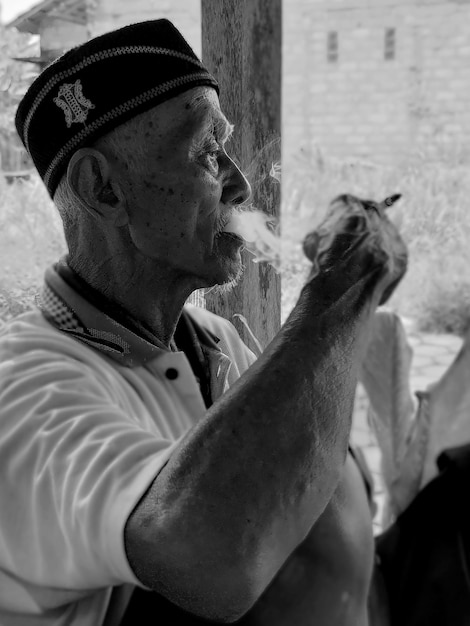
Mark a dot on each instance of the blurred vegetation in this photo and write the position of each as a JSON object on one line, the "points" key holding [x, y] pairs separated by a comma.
{"points": [[15, 77], [432, 215], [31, 238], [27, 220]]}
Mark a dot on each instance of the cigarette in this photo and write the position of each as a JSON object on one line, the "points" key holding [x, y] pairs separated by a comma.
{"points": [[390, 200]]}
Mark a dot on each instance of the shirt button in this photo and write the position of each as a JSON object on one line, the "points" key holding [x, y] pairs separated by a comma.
{"points": [[171, 373]]}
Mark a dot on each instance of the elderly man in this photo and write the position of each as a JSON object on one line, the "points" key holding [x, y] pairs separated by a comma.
{"points": [[144, 451]]}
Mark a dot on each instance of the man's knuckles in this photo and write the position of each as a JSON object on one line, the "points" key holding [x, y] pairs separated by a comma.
{"points": [[356, 239]]}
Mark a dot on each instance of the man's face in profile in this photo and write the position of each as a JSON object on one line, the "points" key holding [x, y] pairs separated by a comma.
{"points": [[183, 193]]}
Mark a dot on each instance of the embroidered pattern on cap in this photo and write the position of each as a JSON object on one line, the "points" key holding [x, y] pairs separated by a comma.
{"points": [[85, 63], [115, 114], [73, 103]]}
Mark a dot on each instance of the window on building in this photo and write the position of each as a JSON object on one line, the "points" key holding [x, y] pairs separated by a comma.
{"points": [[332, 47], [389, 48]]}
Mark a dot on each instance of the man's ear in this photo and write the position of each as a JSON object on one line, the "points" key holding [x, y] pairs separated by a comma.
{"points": [[91, 179]]}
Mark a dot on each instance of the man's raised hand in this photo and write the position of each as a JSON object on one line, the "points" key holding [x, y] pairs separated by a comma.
{"points": [[357, 242]]}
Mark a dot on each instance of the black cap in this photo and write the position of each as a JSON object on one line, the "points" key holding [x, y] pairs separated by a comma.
{"points": [[100, 84]]}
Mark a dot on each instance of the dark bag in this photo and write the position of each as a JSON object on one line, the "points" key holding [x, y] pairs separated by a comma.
{"points": [[423, 559]]}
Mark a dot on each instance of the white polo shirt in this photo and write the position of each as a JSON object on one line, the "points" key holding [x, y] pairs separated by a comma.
{"points": [[89, 414]]}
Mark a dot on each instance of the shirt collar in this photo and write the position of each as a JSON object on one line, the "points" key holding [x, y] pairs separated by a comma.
{"points": [[65, 306]]}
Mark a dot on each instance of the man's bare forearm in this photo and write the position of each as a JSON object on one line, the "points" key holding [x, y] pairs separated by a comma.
{"points": [[246, 485], [249, 481]]}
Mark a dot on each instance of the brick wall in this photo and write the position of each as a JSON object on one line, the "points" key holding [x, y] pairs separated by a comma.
{"points": [[362, 105]]}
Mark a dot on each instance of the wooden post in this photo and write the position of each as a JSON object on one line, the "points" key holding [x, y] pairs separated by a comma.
{"points": [[241, 46]]}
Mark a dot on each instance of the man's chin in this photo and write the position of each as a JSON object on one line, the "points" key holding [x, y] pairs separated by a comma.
{"points": [[231, 282], [228, 277]]}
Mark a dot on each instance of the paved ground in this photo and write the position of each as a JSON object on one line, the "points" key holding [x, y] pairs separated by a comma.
{"points": [[432, 355]]}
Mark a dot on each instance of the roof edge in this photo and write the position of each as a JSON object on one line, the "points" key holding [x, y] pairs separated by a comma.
{"points": [[25, 21]]}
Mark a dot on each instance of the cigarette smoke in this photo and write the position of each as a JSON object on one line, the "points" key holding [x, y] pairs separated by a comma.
{"points": [[259, 230]]}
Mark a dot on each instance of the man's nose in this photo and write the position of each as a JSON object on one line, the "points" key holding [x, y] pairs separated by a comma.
{"points": [[237, 189]]}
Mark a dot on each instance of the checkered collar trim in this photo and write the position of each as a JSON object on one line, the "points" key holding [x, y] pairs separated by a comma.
{"points": [[75, 316]]}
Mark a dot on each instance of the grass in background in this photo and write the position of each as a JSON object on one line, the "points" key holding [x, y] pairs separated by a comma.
{"points": [[433, 216], [30, 239]]}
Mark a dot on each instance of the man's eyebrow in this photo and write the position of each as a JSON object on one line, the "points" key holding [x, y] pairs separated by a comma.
{"points": [[215, 122]]}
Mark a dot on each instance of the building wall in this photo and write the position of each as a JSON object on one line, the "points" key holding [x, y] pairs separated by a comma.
{"points": [[57, 35], [363, 105], [108, 14]]}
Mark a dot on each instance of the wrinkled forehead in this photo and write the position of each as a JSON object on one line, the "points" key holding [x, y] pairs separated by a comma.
{"points": [[188, 116], [203, 106], [199, 97]]}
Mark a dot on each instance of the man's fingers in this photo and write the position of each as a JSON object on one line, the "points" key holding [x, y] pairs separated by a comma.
{"points": [[355, 238]]}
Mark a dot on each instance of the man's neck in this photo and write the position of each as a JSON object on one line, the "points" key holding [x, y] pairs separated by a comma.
{"points": [[149, 307]]}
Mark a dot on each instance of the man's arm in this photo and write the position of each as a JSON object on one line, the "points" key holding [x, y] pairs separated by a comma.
{"points": [[248, 482]]}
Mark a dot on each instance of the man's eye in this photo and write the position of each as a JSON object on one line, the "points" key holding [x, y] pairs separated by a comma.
{"points": [[211, 155]]}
